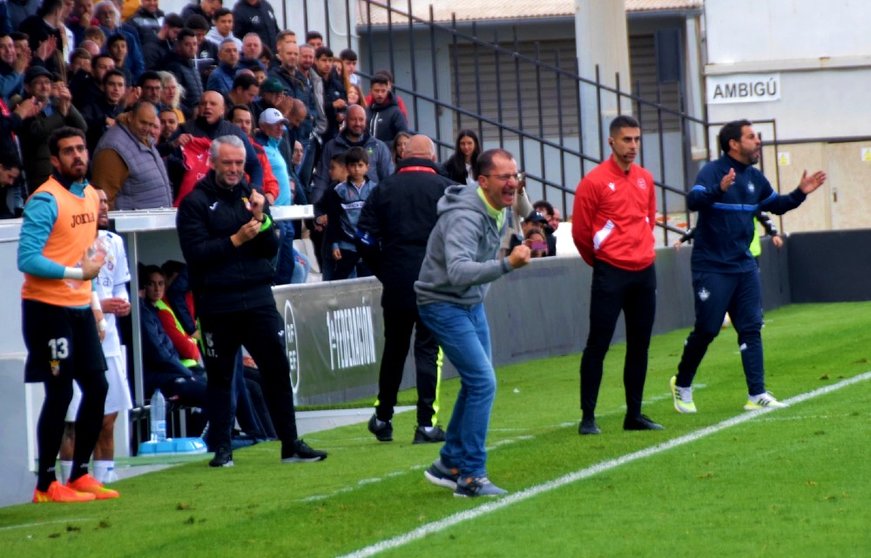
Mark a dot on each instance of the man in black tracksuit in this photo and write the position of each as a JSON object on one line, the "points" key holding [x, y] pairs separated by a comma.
{"points": [[229, 241], [392, 232]]}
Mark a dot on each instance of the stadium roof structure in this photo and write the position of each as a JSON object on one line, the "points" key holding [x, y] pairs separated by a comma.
{"points": [[488, 10]]}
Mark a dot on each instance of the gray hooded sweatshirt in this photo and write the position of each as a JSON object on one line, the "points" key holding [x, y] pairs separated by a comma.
{"points": [[460, 255]]}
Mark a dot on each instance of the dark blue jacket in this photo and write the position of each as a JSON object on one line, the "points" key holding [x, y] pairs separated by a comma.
{"points": [[159, 357], [299, 87], [725, 223]]}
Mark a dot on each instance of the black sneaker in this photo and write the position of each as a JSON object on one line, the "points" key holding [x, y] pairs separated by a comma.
{"points": [[588, 426], [434, 436], [299, 451], [383, 430], [641, 422], [223, 458]]}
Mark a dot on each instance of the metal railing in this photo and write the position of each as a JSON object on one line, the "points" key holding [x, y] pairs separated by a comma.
{"points": [[554, 157]]}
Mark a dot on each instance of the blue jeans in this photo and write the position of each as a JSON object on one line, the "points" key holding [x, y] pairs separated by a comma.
{"points": [[285, 262], [301, 267], [463, 333]]}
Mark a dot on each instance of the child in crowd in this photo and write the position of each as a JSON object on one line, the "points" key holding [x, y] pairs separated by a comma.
{"points": [[342, 205]]}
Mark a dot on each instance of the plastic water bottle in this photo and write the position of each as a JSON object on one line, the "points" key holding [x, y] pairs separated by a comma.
{"points": [[157, 424]]}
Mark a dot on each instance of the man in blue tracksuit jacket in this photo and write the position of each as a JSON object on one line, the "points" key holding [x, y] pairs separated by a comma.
{"points": [[727, 194]]}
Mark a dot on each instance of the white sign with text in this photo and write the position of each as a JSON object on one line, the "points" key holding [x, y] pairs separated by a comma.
{"points": [[743, 88]]}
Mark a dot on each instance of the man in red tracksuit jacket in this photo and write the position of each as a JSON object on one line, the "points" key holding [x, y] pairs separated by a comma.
{"points": [[612, 226]]}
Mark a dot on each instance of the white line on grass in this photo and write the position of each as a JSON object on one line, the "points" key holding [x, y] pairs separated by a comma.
{"points": [[495, 445], [533, 491], [41, 523]]}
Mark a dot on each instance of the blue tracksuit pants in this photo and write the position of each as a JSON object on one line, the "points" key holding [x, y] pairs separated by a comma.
{"points": [[739, 294]]}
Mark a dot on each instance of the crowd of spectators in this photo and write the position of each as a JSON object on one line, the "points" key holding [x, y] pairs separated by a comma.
{"points": [[151, 90]]}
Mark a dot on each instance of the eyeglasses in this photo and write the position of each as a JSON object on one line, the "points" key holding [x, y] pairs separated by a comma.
{"points": [[519, 177]]}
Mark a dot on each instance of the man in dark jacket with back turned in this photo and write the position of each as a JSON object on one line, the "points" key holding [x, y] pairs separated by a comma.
{"points": [[229, 240], [393, 230]]}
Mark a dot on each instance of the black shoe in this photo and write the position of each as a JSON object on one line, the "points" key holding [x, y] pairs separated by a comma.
{"points": [[434, 436], [588, 426], [223, 458], [641, 422], [383, 430], [299, 451]]}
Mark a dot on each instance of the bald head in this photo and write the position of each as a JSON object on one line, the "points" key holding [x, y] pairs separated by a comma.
{"points": [[211, 106], [421, 147], [296, 112], [92, 47]]}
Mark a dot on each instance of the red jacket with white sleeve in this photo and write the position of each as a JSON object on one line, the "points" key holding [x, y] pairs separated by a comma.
{"points": [[613, 216]]}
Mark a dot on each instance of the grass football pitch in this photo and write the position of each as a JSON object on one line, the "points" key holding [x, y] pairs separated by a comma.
{"points": [[723, 482]]}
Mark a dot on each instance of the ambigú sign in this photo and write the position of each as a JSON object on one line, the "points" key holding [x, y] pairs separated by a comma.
{"points": [[743, 88]]}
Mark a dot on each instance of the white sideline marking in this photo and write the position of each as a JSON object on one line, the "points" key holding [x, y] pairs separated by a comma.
{"points": [[41, 523], [500, 443], [533, 491]]}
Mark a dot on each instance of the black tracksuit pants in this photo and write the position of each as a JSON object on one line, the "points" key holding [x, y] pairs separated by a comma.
{"points": [[262, 332], [613, 290], [398, 326]]}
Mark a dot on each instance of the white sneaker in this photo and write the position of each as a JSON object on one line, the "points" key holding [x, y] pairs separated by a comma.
{"points": [[683, 397], [761, 401], [111, 476]]}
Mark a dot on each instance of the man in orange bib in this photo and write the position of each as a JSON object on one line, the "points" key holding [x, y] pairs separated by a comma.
{"points": [[61, 317]]}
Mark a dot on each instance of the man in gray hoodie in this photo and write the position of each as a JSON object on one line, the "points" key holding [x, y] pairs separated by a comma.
{"points": [[461, 259]]}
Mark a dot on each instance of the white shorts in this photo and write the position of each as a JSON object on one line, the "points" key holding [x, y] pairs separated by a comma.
{"points": [[117, 397]]}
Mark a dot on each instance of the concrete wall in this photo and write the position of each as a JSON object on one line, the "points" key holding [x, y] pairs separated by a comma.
{"points": [[842, 203], [819, 50]]}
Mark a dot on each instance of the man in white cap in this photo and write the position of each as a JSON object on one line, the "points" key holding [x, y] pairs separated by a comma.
{"points": [[273, 129]]}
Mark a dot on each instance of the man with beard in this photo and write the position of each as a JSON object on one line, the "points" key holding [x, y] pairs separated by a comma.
{"points": [[461, 259], [727, 194], [127, 165], [229, 240], [612, 226], [62, 320], [385, 118]]}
